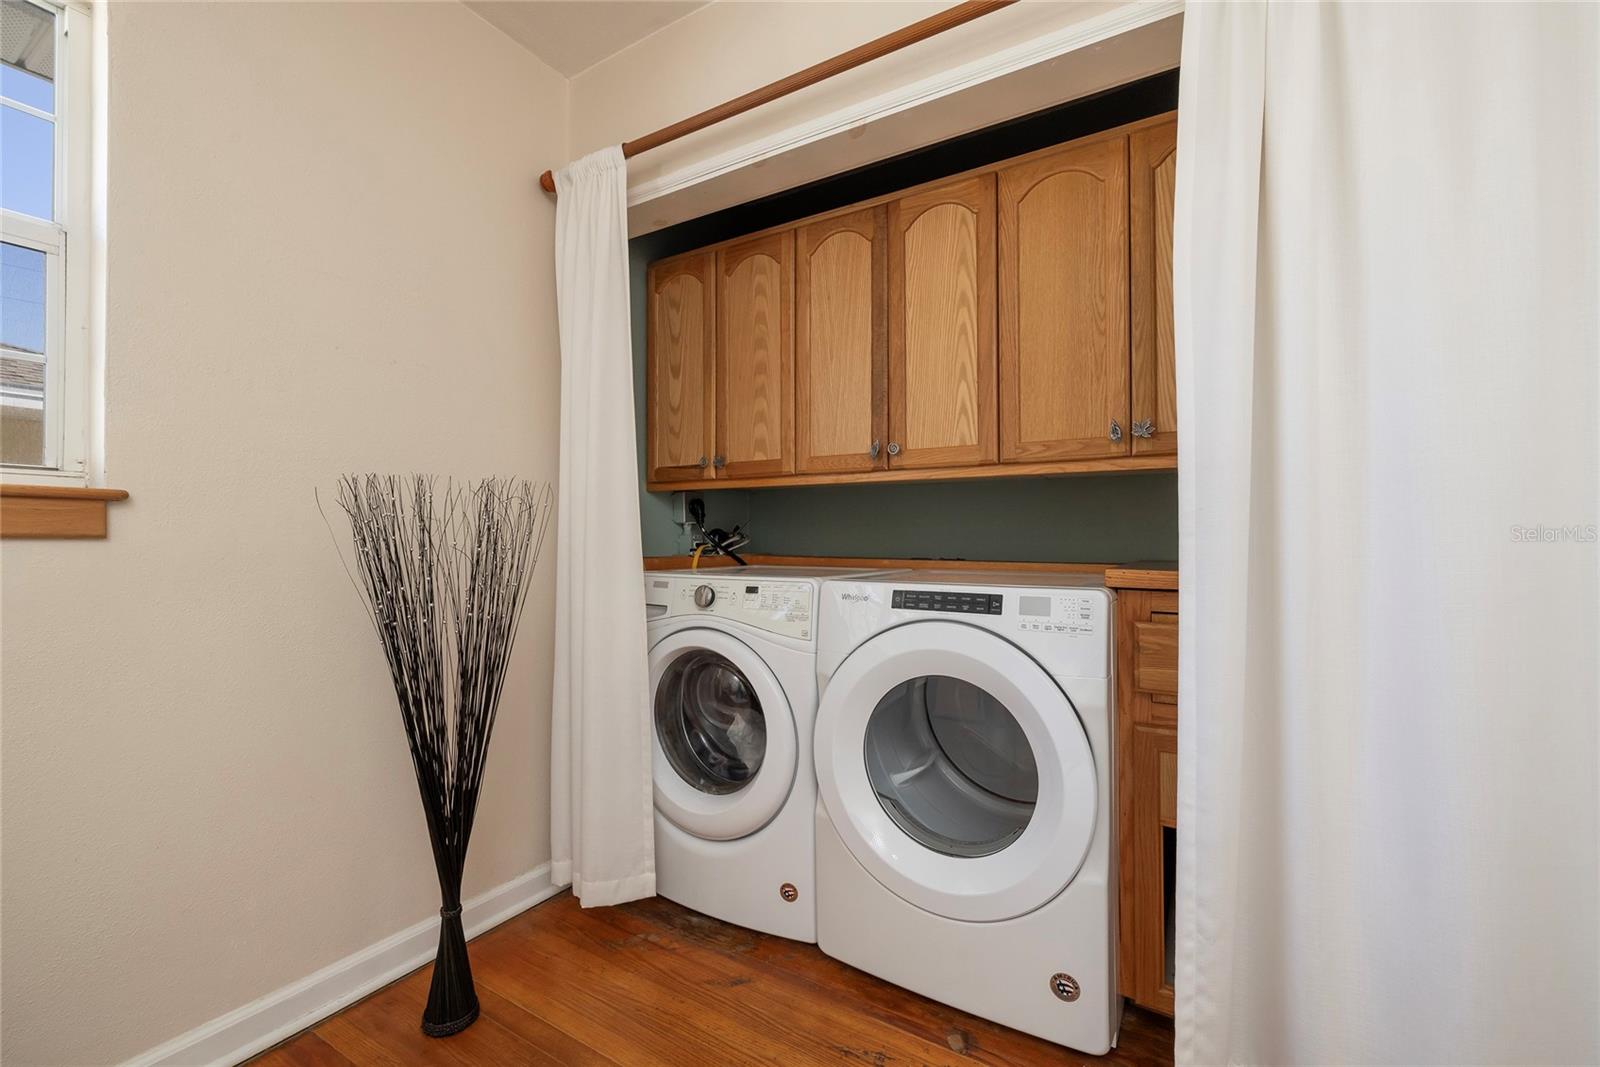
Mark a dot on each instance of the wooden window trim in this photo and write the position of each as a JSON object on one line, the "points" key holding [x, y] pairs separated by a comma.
{"points": [[43, 512]]}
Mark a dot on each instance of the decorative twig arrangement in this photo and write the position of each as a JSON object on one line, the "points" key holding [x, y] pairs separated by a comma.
{"points": [[444, 576]]}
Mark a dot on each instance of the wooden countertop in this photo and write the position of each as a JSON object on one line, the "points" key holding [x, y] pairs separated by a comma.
{"points": [[1160, 575], [1142, 575]]}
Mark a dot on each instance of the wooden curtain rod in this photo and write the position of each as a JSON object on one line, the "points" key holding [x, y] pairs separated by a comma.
{"points": [[947, 19]]}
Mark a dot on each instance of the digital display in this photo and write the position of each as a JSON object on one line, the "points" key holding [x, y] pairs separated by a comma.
{"points": [[1034, 605], [752, 590]]}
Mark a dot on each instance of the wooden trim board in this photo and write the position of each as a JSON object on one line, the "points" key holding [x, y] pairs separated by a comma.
{"points": [[55, 511], [673, 563], [1120, 464]]}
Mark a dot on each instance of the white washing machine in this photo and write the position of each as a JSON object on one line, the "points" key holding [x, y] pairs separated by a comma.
{"points": [[733, 681], [964, 771]]}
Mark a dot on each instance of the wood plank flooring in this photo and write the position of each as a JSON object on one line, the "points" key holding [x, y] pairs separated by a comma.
{"points": [[654, 983]]}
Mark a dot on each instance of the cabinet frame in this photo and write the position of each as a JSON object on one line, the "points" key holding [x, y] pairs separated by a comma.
{"points": [[1147, 746]]}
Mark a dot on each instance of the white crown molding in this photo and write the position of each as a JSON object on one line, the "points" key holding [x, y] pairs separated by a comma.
{"points": [[1007, 61], [245, 1031]]}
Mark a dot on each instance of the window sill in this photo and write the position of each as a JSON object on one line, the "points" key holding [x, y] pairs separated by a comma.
{"points": [[55, 511]]}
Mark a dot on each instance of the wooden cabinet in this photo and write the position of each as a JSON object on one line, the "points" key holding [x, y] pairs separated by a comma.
{"points": [[941, 325], [1153, 161], [680, 367], [1147, 784], [1013, 320], [755, 352], [1064, 304], [841, 369]]}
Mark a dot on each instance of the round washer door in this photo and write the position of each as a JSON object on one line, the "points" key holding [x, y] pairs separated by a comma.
{"points": [[956, 771], [725, 748]]}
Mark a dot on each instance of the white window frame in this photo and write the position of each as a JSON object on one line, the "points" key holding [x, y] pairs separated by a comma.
{"points": [[67, 244]]}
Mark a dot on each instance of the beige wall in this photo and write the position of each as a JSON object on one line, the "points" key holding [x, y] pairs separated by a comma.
{"points": [[732, 46], [326, 254]]}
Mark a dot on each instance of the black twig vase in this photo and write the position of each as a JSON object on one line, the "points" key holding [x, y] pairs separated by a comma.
{"points": [[452, 998], [444, 577]]}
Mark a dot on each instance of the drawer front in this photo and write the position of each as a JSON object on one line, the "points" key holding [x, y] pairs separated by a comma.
{"points": [[1167, 770], [1155, 657]]}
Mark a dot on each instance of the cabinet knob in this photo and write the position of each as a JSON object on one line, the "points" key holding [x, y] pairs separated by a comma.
{"points": [[719, 461], [1116, 430], [703, 462], [1144, 428], [894, 448], [877, 447]]}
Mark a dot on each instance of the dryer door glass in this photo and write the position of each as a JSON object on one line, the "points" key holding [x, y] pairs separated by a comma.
{"points": [[951, 766], [710, 722]]}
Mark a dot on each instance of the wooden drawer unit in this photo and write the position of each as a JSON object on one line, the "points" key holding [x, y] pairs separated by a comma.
{"points": [[1147, 791]]}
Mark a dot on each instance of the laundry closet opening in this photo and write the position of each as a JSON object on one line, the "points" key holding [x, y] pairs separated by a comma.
{"points": [[1070, 518]]}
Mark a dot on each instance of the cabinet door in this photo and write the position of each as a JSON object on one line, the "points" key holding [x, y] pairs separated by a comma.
{"points": [[941, 326], [1153, 162], [1064, 304], [680, 367], [1149, 883], [755, 350], [841, 373]]}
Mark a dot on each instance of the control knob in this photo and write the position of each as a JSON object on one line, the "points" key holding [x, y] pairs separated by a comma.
{"points": [[703, 596]]}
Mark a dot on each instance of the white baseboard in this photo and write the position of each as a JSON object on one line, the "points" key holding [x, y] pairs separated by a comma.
{"points": [[243, 1032]]}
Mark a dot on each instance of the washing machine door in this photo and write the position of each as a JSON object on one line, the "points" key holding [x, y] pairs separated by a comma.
{"points": [[725, 745], [956, 771]]}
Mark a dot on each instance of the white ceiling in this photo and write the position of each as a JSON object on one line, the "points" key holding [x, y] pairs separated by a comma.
{"points": [[574, 35]]}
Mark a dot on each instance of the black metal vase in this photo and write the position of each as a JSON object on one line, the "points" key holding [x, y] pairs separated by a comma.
{"points": [[444, 577]]}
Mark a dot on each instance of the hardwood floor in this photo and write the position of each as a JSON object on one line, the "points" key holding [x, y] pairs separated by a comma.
{"points": [[654, 983]]}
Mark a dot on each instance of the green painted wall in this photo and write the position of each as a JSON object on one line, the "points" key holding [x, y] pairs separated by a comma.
{"points": [[1076, 518]]}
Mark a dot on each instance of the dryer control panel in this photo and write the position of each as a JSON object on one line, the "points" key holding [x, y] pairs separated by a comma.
{"points": [[776, 606], [1050, 612]]}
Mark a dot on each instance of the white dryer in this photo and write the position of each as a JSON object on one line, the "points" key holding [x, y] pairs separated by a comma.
{"points": [[733, 684], [964, 770]]}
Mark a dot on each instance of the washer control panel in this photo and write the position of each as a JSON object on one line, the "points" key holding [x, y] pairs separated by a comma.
{"points": [[780, 607]]}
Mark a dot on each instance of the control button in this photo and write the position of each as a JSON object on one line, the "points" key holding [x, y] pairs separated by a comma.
{"points": [[704, 596]]}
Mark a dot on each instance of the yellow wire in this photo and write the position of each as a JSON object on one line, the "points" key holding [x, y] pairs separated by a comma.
{"points": [[694, 564]]}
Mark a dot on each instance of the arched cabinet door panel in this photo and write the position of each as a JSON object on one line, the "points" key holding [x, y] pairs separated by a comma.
{"points": [[941, 325], [1064, 304], [755, 357], [841, 379], [681, 367], [1153, 164]]}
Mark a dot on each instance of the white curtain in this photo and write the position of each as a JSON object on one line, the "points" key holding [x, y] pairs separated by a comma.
{"points": [[1387, 293], [602, 832]]}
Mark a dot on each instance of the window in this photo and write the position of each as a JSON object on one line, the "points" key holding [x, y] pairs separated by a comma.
{"points": [[45, 52]]}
